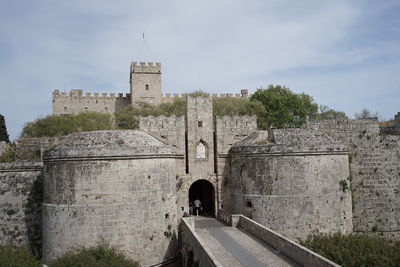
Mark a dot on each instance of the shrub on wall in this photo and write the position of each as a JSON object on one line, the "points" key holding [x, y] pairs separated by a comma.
{"points": [[100, 256], [17, 256], [233, 106], [128, 117], [326, 113], [9, 155], [57, 125], [355, 250]]}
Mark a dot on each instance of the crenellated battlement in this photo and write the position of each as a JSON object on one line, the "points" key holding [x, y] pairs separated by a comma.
{"points": [[237, 121], [169, 129], [75, 101], [146, 67], [167, 98], [78, 94], [161, 122], [241, 95], [232, 129]]}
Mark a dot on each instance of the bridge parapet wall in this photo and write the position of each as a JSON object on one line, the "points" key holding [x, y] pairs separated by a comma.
{"points": [[294, 251], [194, 250]]}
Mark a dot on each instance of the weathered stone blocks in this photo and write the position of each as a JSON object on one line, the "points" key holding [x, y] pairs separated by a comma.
{"points": [[108, 187], [294, 184]]}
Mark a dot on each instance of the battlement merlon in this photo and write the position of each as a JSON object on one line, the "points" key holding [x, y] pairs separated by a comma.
{"points": [[244, 93], [146, 67], [78, 93]]}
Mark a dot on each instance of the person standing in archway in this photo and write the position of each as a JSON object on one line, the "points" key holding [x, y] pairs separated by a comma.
{"points": [[197, 206]]}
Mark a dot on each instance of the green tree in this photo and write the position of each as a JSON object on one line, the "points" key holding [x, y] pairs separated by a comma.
{"points": [[56, 125], [284, 108], [325, 113], [3, 130]]}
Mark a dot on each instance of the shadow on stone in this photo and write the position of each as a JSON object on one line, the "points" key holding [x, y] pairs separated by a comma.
{"points": [[33, 216]]}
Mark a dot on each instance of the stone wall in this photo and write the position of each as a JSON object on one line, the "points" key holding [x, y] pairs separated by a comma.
{"points": [[293, 195], [169, 98], [232, 129], [292, 182], [75, 102], [194, 252], [229, 131], [375, 171], [294, 251], [21, 205], [116, 186], [169, 129]]}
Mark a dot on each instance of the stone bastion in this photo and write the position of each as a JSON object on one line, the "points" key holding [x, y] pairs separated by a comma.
{"points": [[294, 181], [106, 185]]}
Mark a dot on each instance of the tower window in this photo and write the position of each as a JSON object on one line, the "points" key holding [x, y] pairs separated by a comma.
{"points": [[201, 150], [85, 108], [200, 123], [106, 109], [146, 87], [65, 109]]}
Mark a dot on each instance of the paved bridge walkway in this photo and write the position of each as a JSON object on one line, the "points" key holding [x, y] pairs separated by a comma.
{"points": [[233, 247]]}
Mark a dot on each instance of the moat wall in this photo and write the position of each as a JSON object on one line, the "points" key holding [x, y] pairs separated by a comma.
{"points": [[291, 182], [375, 170], [112, 186], [21, 205]]}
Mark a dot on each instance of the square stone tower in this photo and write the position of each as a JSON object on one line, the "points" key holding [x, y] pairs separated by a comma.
{"points": [[200, 137], [145, 82]]}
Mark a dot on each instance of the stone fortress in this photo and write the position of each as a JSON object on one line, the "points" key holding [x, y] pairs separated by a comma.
{"points": [[145, 86], [131, 188]]}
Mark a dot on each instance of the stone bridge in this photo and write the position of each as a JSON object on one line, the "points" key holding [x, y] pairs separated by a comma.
{"points": [[235, 240]]}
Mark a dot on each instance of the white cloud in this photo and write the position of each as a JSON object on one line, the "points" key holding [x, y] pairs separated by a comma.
{"points": [[319, 47]]}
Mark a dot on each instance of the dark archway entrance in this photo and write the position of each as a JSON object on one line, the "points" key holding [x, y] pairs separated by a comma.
{"points": [[203, 190]]}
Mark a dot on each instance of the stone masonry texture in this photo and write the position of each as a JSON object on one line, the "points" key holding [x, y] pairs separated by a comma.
{"points": [[292, 184], [130, 188], [21, 205], [374, 161], [127, 200]]}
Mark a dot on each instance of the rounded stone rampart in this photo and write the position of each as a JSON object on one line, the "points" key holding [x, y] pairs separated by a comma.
{"points": [[105, 186], [294, 181]]}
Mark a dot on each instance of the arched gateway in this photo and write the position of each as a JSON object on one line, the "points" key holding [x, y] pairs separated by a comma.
{"points": [[204, 191]]}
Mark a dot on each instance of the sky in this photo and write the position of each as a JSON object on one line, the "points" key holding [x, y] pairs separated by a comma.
{"points": [[345, 54]]}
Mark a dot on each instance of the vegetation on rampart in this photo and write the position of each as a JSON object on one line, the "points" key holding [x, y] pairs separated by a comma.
{"points": [[355, 250], [326, 113], [9, 155], [62, 125], [275, 106], [128, 117]]}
